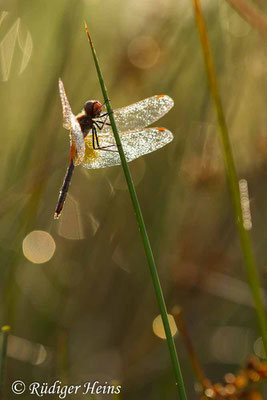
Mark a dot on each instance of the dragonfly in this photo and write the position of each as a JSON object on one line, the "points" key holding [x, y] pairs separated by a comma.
{"points": [[91, 137]]}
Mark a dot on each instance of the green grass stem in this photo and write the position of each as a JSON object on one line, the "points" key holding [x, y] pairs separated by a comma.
{"points": [[5, 332], [143, 232], [245, 241]]}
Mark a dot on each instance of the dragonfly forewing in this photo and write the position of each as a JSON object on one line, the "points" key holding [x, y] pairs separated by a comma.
{"points": [[66, 109], [141, 114]]}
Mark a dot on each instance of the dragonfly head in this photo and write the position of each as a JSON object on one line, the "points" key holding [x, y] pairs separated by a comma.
{"points": [[93, 108]]}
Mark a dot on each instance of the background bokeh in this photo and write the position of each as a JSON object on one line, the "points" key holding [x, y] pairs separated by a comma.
{"points": [[77, 291]]}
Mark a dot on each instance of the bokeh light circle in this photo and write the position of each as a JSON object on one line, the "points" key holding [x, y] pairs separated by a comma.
{"points": [[143, 52], [158, 327], [259, 348], [38, 247]]}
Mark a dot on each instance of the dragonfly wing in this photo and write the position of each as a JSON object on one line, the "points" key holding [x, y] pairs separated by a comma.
{"points": [[77, 141], [70, 122], [66, 109], [135, 144], [141, 114]]}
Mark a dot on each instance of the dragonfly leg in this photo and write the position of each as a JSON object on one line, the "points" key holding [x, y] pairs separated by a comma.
{"points": [[95, 141], [104, 102], [97, 123], [95, 138], [103, 124], [103, 115]]}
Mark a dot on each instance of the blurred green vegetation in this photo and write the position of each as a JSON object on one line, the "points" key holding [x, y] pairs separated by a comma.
{"points": [[92, 305]]}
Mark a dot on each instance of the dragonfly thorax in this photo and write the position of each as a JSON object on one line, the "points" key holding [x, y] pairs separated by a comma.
{"points": [[86, 123]]}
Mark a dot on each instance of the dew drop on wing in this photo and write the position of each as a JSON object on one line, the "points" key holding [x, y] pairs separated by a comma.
{"points": [[141, 114], [135, 144]]}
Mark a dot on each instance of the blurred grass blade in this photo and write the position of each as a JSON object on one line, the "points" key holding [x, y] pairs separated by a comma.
{"points": [[143, 232], [182, 329], [246, 247], [251, 14], [5, 332]]}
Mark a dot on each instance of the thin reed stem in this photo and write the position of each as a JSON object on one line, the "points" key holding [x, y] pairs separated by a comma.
{"points": [[251, 14], [245, 241], [182, 329], [143, 232], [5, 332]]}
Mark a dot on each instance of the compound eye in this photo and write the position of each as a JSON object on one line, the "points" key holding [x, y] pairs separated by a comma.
{"points": [[88, 107], [97, 108]]}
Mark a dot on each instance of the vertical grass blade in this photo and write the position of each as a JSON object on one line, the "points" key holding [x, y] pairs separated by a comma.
{"points": [[143, 232], [182, 329], [5, 331], [251, 14], [245, 242]]}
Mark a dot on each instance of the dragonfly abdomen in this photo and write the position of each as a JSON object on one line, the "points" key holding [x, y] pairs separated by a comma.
{"points": [[64, 190]]}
